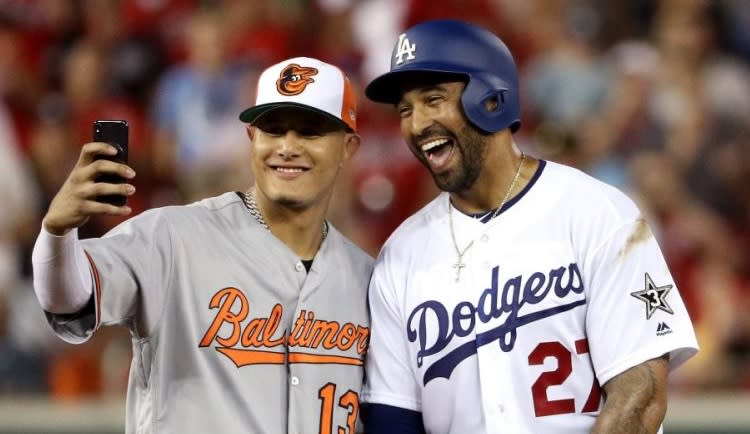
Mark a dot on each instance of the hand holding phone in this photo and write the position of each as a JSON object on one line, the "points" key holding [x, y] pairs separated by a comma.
{"points": [[114, 132]]}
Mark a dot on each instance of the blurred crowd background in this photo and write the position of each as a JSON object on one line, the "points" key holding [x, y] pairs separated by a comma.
{"points": [[650, 96]]}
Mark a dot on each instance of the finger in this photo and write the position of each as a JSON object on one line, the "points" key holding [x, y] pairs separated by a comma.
{"points": [[92, 207], [90, 151], [100, 167], [69, 212], [92, 190]]}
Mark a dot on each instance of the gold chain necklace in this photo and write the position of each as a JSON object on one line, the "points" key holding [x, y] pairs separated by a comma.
{"points": [[460, 253], [248, 198]]}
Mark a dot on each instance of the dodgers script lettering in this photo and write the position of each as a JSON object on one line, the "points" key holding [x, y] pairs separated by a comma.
{"points": [[492, 304]]}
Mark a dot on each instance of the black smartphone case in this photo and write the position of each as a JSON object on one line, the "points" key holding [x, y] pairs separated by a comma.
{"points": [[114, 132]]}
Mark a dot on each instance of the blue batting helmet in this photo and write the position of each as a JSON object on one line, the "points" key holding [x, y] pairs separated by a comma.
{"points": [[455, 47]]}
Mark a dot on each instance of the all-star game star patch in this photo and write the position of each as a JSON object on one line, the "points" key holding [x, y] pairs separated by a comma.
{"points": [[654, 296]]}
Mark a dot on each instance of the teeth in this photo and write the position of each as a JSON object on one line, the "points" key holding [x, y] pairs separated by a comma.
{"points": [[433, 144], [289, 169]]}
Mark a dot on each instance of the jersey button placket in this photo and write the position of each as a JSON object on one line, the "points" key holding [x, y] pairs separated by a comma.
{"points": [[295, 412], [484, 248], [494, 367]]}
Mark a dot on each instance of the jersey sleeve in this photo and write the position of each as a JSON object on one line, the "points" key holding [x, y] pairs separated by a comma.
{"points": [[635, 311], [385, 419], [389, 379], [130, 268]]}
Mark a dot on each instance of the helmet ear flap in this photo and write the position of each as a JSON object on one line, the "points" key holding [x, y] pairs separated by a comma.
{"points": [[491, 104], [494, 102]]}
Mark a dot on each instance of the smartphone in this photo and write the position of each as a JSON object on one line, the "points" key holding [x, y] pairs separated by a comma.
{"points": [[114, 132]]}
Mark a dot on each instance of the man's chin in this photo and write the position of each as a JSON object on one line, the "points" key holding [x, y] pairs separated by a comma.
{"points": [[445, 182], [289, 201], [452, 182]]}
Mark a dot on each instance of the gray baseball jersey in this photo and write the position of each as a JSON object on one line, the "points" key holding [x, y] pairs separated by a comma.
{"points": [[230, 332]]}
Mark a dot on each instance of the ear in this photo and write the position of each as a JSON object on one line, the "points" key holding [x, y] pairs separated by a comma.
{"points": [[351, 145], [250, 132]]}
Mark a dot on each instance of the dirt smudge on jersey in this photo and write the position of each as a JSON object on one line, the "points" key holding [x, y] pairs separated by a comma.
{"points": [[641, 232]]}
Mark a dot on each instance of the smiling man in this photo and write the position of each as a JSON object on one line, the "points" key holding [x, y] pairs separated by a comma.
{"points": [[528, 297], [248, 310]]}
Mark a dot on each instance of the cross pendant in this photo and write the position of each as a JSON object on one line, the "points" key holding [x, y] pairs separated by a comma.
{"points": [[458, 266]]}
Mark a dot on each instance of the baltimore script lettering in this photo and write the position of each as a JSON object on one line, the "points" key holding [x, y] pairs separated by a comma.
{"points": [[240, 338], [491, 305]]}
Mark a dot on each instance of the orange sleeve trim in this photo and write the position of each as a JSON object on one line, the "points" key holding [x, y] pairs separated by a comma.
{"points": [[97, 288]]}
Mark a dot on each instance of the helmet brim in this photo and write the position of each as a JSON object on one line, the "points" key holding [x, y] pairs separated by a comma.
{"points": [[388, 87]]}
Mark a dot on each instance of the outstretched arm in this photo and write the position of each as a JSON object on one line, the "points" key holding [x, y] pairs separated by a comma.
{"points": [[60, 267], [636, 399]]}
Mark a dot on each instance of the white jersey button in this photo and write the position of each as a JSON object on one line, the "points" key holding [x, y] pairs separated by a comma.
{"points": [[295, 381], [300, 266], [501, 408], [484, 238]]}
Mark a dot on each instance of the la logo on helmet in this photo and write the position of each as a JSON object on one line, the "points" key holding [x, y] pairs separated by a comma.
{"points": [[405, 47]]}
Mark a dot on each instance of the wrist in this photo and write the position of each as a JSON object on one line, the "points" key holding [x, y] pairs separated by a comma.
{"points": [[54, 229]]}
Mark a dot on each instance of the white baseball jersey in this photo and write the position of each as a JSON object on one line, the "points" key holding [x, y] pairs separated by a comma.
{"points": [[230, 333], [562, 291]]}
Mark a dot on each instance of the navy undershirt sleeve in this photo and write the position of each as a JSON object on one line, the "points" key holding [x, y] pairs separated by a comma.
{"points": [[386, 419]]}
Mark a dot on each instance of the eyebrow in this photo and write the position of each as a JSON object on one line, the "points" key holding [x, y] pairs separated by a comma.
{"points": [[423, 90], [432, 87]]}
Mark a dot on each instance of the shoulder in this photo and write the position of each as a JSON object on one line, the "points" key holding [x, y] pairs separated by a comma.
{"points": [[586, 196], [209, 207], [577, 207], [418, 224], [417, 229], [176, 216], [348, 252], [217, 203]]}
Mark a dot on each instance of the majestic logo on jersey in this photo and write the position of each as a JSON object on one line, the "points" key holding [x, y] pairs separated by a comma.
{"points": [[404, 47], [294, 79], [654, 296], [243, 338], [516, 293], [663, 329]]}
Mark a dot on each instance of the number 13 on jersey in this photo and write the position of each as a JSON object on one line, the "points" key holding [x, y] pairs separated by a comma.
{"points": [[348, 401]]}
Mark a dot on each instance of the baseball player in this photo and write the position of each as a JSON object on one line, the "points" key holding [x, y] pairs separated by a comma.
{"points": [[247, 311], [527, 297]]}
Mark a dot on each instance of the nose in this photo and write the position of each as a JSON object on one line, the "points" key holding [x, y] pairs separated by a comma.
{"points": [[420, 120], [289, 145]]}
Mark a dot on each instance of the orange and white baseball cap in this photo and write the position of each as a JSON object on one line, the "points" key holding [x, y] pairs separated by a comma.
{"points": [[305, 83]]}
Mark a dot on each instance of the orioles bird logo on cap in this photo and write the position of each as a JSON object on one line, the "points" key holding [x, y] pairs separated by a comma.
{"points": [[294, 79]]}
